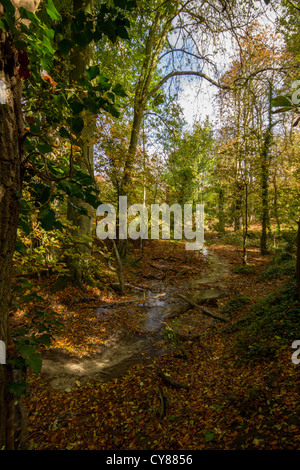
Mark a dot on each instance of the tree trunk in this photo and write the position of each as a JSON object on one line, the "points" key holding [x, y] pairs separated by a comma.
{"points": [[81, 60], [265, 180], [11, 157], [276, 211], [156, 40], [11, 178], [221, 213], [245, 232], [298, 261]]}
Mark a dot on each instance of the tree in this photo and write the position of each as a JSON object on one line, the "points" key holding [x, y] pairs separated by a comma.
{"points": [[81, 59], [29, 42]]}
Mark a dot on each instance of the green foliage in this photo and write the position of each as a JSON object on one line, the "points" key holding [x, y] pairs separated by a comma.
{"points": [[29, 338], [283, 262], [52, 107], [244, 269], [190, 162], [236, 303], [271, 323], [232, 239], [279, 267]]}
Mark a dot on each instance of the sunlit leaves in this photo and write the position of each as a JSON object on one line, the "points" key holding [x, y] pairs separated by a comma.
{"points": [[52, 11]]}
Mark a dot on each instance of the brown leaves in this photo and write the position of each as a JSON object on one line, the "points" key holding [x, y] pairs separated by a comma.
{"points": [[227, 405], [49, 80]]}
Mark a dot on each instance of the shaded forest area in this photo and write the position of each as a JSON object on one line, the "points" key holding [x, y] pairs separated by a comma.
{"points": [[141, 344]]}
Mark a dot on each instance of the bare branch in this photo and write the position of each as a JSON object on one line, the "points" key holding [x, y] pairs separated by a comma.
{"points": [[188, 73]]}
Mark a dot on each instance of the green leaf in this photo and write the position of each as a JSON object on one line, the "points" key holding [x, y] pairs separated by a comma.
{"points": [[209, 436], [35, 362], [131, 5], [93, 200], [58, 225], [64, 133], [52, 11], [76, 107], [24, 225], [18, 388], [92, 104], [120, 3], [30, 16], [125, 4], [113, 111], [119, 90], [93, 72], [26, 349], [171, 417], [84, 38], [3, 26], [20, 246], [122, 32], [65, 46], [8, 6], [77, 125], [43, 147], [47, 218], [281, 101]]}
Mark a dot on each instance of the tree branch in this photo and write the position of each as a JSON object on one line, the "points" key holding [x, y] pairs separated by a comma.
{"points": [[188, 73]]}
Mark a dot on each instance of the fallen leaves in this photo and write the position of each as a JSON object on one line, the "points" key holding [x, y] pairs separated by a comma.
{"points": [[226, 406]]}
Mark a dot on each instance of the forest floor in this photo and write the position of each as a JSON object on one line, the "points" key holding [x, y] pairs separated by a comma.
{"points": [[225, 403]]}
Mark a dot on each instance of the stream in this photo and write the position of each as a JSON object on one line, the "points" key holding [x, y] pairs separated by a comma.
{"points": [[157, 304]]}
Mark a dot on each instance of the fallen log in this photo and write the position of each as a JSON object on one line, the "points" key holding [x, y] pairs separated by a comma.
{"points": [[203, 309]]}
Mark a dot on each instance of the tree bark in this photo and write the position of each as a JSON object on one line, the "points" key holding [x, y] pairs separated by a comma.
{"points": [[245, 231], [11, 157], [221, 213], [81, 60], [156, 39], [265, 179], [11, 178]]}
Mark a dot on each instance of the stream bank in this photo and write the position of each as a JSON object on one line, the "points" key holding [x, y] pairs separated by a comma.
{"points": [[156, 306]]}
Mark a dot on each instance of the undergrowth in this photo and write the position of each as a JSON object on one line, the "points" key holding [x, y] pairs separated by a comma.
{"points": [[273, 322], [270, 324]]}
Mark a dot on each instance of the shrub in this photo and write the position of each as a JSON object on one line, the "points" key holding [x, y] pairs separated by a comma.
{"points": [[244, 269], [270, 324]]}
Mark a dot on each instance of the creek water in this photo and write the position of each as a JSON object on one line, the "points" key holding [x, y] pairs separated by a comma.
{"points": [[157, 305]]}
